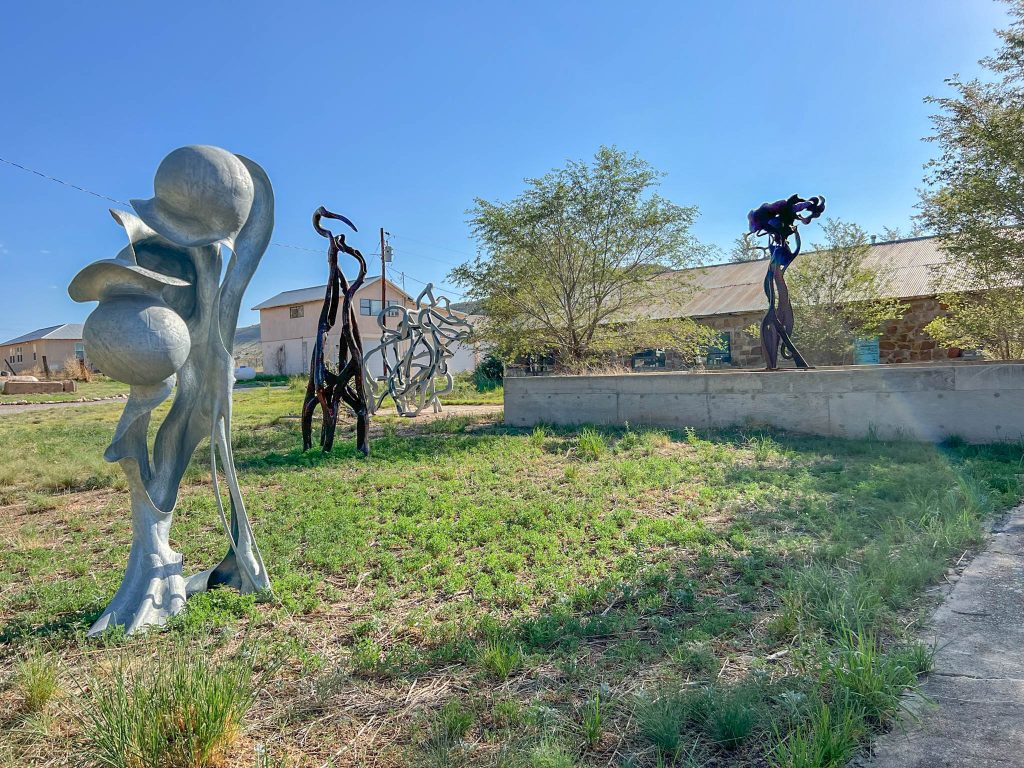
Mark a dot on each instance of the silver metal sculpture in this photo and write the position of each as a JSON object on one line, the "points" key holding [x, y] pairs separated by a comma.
{"points": [[165, 316], [414, 355]]}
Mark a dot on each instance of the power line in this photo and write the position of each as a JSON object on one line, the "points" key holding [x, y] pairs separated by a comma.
{"points": [[61, 181], [435, 245], [274, 242]]}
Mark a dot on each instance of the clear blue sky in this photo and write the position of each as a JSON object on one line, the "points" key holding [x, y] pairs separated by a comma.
{"points": [[399, 114]]}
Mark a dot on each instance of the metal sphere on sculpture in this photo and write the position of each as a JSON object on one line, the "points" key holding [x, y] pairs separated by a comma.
{"points": [[136, 339], [203, 195]]}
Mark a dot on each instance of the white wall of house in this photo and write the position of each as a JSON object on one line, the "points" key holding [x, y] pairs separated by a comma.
{"points": [[288, 334]]}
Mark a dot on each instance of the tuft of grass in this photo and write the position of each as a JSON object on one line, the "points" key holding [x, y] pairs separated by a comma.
{"points": [[866, 679], [660, 720], [728, 714], [36, 677], [179, 710], [830, 740], [590, 444], [537, 436], [592, 721], [501, 657]]}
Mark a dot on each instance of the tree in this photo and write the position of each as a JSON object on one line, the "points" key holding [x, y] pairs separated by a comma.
{"points": [[895, 233], [836, 298], [987, 318], [577, 262], [974, 200], [746, 248]]}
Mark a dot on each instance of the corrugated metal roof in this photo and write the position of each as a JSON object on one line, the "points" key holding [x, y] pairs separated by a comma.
{"points": [[63, 332], [723, 289]]}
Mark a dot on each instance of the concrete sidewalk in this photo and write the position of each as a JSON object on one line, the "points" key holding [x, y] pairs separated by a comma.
{"points": [[977, 686]]}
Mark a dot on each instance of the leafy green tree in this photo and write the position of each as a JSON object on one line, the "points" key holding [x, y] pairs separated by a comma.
{"points": [[746, 248], [989, 319], [836, 298], [580, 260], [974, 199]]}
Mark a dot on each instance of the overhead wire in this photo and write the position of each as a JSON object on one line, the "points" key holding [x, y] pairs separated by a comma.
{"points": [[276, 243]]}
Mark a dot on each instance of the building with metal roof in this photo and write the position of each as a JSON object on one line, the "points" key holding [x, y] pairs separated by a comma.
{"points": [[43, 350]]}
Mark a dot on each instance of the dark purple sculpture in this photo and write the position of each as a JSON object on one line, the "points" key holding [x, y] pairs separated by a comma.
{"points": [[779, 221], [345, 383]]}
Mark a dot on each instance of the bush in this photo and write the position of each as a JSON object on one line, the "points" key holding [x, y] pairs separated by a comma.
{"points": [[489, 374], [177, 711]]}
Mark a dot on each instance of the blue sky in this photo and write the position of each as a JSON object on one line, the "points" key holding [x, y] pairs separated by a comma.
{"points": [[399, 114]]}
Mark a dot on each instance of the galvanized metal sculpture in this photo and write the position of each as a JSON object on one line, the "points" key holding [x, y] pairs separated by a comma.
{"points": [[327, 387], [166, 318], [779, 221], [414, 355]]}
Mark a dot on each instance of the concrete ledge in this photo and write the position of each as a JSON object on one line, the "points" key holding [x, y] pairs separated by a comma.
{"points": [[978, 401], [37, 387]]}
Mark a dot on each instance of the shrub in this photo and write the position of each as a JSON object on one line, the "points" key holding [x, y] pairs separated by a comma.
{"points": [[489, 374], [36, 677], [177, 711]]}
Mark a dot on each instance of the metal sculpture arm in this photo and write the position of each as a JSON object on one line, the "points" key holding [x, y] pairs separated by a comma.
{"points": [[328, 387], [414, 355], [779, 221]]}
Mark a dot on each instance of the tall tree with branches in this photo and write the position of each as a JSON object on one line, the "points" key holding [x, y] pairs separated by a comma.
{"points": [[974, 199], [576, 264], [836, 297]]}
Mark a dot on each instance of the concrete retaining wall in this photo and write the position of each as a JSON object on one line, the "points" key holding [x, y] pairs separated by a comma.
{"points": [[978, 401]]}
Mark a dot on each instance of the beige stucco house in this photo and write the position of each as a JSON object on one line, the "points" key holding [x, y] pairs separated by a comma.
{"points": [[42, 349], [288, 324]]}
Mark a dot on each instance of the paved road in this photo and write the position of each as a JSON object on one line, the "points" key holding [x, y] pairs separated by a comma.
{"points": [[8, 409], [978, 682]]}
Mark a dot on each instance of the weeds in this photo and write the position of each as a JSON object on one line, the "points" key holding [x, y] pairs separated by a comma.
{"points": [[36, 677], [501, 657], [176, 711], [590, 444]]}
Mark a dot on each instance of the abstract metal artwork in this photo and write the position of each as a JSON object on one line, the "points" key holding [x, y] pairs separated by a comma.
{"points": [[779, 221], [327, 387], [414, 355], [166, 317]]}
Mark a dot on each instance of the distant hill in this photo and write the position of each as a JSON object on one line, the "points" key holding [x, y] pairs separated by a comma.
{"points": [[248, 350]]}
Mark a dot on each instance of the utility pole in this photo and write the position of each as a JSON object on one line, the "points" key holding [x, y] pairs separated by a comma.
{"points": [[383, 282]]}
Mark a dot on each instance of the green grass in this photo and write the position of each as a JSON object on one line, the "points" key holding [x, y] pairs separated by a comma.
{"points": [[663, 597], [100, 386], [175, 711], [36, 677]]}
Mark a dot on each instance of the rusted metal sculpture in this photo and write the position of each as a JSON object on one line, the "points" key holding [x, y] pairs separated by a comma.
{"points": [[779, 221], [414, 355], [330, 387]]}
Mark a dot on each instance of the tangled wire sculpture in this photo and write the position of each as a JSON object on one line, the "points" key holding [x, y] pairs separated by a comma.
{"points": [[779, 221], [414, 355], [329, 387]]}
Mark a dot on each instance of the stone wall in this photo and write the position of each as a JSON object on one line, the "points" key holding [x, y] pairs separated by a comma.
{"points": [[901, 341], [979, 401]]}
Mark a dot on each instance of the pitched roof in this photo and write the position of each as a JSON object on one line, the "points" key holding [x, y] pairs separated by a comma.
{"points": [[313, 293], [723, 289], [64, 332]]}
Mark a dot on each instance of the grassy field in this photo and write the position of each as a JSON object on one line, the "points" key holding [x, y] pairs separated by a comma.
{"points": [[98, 387], [476, 595]]}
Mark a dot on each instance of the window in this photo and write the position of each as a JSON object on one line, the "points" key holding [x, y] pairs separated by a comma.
{"points": [[720, 353], [79, 351], [296, 312], [372, 307], [18, 352], [649, 358]]}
